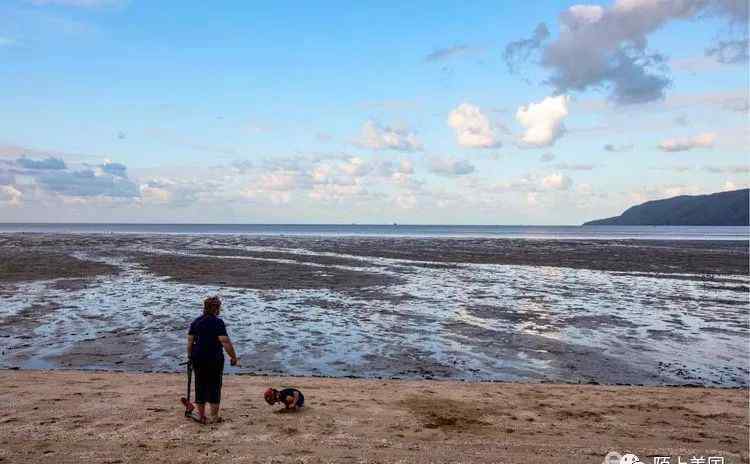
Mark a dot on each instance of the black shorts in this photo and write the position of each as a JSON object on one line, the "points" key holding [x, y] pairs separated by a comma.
{"points": [[208, 380]]}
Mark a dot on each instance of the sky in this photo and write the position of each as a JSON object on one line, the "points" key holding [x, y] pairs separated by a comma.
{"points": [[435, 112]]}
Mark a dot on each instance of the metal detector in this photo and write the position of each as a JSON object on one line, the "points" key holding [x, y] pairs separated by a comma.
{"points": [[189, 384]]}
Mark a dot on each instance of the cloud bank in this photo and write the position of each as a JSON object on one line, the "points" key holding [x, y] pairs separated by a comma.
{"points": [[53, 176]]}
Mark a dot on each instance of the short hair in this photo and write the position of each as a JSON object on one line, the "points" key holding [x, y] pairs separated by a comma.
{"points": [[212, 305]]}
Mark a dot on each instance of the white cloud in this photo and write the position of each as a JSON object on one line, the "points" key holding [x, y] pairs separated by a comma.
{"points": [[728, 186], [327, 178], [473, 129], [450, 167], [152, 194], [406, 200], [277, 188], [378, 137], [607, 48], [543, 121], [177, 192], [663, 191], [584, 14], [356, 167], [388, 168], [574, 166], [557, 181], [532, 199], [534, 183], [403, 180], [279, 181], [10, 195], [406, 167], [705, 140], [584, 189], [729, 169], [336, 192], [675, 191]]}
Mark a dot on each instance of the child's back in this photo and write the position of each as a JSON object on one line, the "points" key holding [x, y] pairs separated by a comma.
{"points": [[288, 394], [291, 398]]}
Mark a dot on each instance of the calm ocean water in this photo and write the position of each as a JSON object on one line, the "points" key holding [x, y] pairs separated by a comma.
{"points": [[535, 232]]}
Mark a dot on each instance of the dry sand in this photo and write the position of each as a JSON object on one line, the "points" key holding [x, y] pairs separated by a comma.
{"points": [[92, 417]]}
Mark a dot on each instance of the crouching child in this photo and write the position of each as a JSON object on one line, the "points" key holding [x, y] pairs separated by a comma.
{"points": [[291, 398]]}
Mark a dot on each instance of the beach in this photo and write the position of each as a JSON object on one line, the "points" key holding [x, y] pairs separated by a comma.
{"points": [[408, 349], [102, 417]]}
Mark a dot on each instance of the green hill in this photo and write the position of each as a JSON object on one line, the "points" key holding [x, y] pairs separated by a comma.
{"points": [[717, 209]]}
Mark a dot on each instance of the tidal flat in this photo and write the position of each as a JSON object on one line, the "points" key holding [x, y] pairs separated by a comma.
{"points": [[653, 312]]}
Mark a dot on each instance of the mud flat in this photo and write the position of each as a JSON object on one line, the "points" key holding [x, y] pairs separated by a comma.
{"points": [[696, 257], [564, 311], [68, 417], [257, 274], [657, 256], [19, 264]]}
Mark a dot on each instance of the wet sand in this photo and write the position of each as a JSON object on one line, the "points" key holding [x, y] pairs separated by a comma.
{"points": [[642, 312], [19, 264], [262, 275], [70, 417], [659, 256], [654, 256]]}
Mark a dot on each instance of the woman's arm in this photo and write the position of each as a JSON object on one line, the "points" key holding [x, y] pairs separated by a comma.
{"points": [[229, 348]]}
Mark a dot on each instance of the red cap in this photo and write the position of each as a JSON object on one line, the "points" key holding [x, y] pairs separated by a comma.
{"points": [[270, 396]]}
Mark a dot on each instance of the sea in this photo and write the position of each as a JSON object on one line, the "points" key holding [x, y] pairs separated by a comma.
{"points": [[398, 230]]}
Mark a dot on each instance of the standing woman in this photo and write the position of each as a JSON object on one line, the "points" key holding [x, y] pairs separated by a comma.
{"points": [[206, 338]]}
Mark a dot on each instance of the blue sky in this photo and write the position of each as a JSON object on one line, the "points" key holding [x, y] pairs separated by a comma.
{"points": [[434, 112]]}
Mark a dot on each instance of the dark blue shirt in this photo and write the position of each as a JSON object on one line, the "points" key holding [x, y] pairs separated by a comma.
{"points": [[206, 347]]}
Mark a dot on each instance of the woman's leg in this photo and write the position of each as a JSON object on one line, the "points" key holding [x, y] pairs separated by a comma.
{"points": [[214, 394], [213, 410], [201, 378]]}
